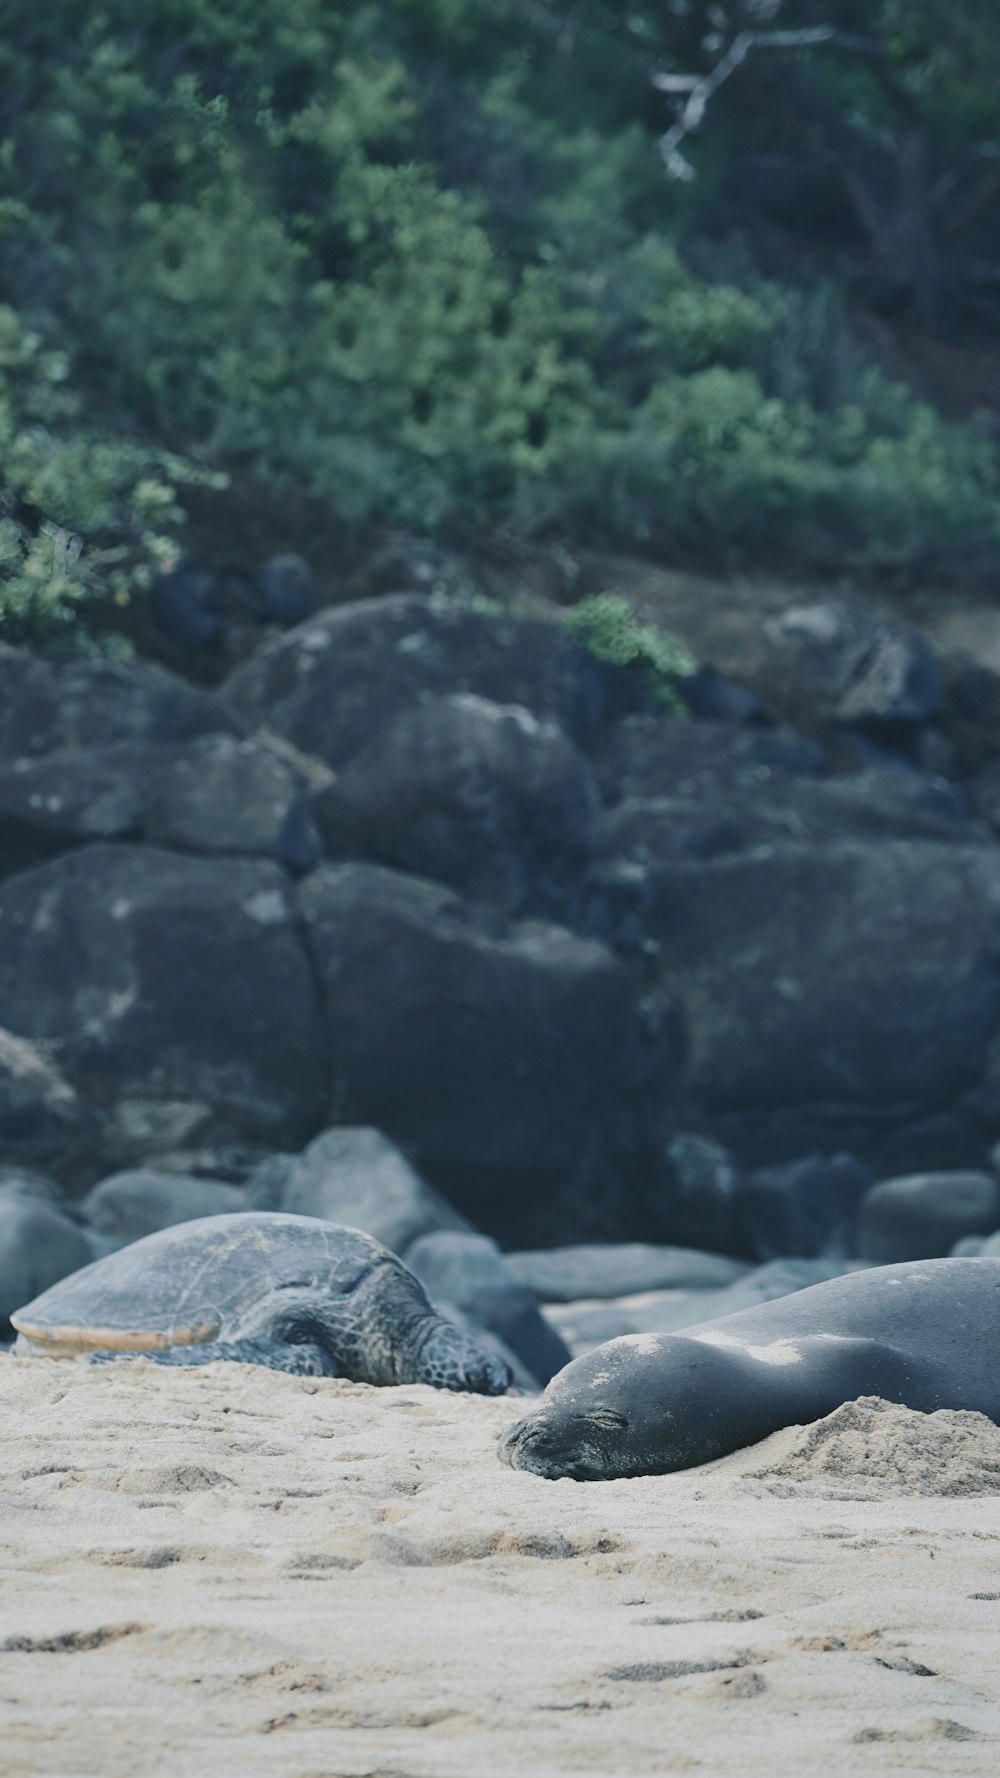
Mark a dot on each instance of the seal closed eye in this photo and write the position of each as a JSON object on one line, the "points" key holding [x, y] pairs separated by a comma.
{"points": [[923, 1334]]}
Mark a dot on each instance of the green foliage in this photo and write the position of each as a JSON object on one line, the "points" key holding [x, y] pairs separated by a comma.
{"points": [[422, 266], [608, 626], [81, 515]]}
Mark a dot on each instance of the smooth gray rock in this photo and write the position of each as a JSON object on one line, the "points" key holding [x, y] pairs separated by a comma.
{"points": [[469, 1271], [564, 1274], [128, 1205], [355, 1175], [587, 1324], [922, 1215], [38, 1246], [176, 992]]}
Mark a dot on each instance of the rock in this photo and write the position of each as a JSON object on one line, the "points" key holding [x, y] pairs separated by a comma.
{"points": [[60, 800], [882, 804], [212, 794], [128, 1205], [805, 1208], [175, 992], [45, 707], [653, 756], [586, 1324], [42, 1119], [708, 694], [478, 1043], [219, 794], [841, 986], [565, 1274], [339, 678], [468, 1271], [922, 1215], [38, 1246], [698, 1204], [480, 795], [856, 666], [286, 590], [186, 604], [358, 1177]]}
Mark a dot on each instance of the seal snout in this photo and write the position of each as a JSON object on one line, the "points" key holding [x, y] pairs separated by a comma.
{"points": [[534, 1445]]}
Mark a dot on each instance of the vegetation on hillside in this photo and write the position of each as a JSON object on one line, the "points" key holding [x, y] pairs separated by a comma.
{"points": [[423, 262]]}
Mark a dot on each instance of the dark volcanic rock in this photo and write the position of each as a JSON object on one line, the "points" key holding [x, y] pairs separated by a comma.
{"points": [[334, 682], [856, 666], [42, 1120], [479, 795], [45, 707], [174, 992], [806, 1208], [476, 1042], [922, 1216], [654, 756], [843, 985], [212, 794], [219, 794]]}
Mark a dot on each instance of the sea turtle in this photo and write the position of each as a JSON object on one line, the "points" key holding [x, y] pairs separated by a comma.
{"points": [[290, 1292]]}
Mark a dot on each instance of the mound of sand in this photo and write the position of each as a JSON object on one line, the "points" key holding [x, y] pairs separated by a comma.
{"points": [[234, 1572], [872, 1450]]}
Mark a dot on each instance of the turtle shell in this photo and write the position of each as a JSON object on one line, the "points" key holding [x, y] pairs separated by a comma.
{"points": [[189, 1283]]}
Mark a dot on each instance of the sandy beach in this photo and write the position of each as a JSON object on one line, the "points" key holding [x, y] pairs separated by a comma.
{"points": [[235, 1572]]}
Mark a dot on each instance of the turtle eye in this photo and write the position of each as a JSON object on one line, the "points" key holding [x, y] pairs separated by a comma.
{"points": [[607, 1417]]}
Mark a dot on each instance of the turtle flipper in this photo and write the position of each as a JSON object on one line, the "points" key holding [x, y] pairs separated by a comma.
{"points": [[305, 1359]]}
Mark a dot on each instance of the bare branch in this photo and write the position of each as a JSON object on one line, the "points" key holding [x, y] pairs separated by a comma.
{"points": [[701, 89]]}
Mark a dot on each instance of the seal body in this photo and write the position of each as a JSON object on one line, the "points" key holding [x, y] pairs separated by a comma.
{"points": [[290, 1292], [925, 1335]]}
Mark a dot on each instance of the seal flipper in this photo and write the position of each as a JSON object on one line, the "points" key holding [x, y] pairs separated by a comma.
{"points": [[304, 1359]]}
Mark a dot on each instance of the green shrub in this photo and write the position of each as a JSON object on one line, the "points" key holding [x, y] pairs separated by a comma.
{"points": [[608, 626], [420, 268]]}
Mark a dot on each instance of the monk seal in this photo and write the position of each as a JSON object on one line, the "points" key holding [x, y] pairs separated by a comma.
{"points": [[925, 1334], [293, 1293]]}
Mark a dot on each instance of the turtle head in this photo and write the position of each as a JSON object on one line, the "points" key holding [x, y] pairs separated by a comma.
{"points": [[451, 1359]]}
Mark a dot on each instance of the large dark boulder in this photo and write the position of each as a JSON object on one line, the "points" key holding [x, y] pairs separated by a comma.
{"points": [[38, 1246], [174, 993], [502, 1049], [215, 793], [45, 707], [480, 795], [652, 756], [42, 1120], [831, 989], [853, 665], [331, 684]]}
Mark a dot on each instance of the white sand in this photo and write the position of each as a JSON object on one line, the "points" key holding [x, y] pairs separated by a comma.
{"points": [[226, 1572]]}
